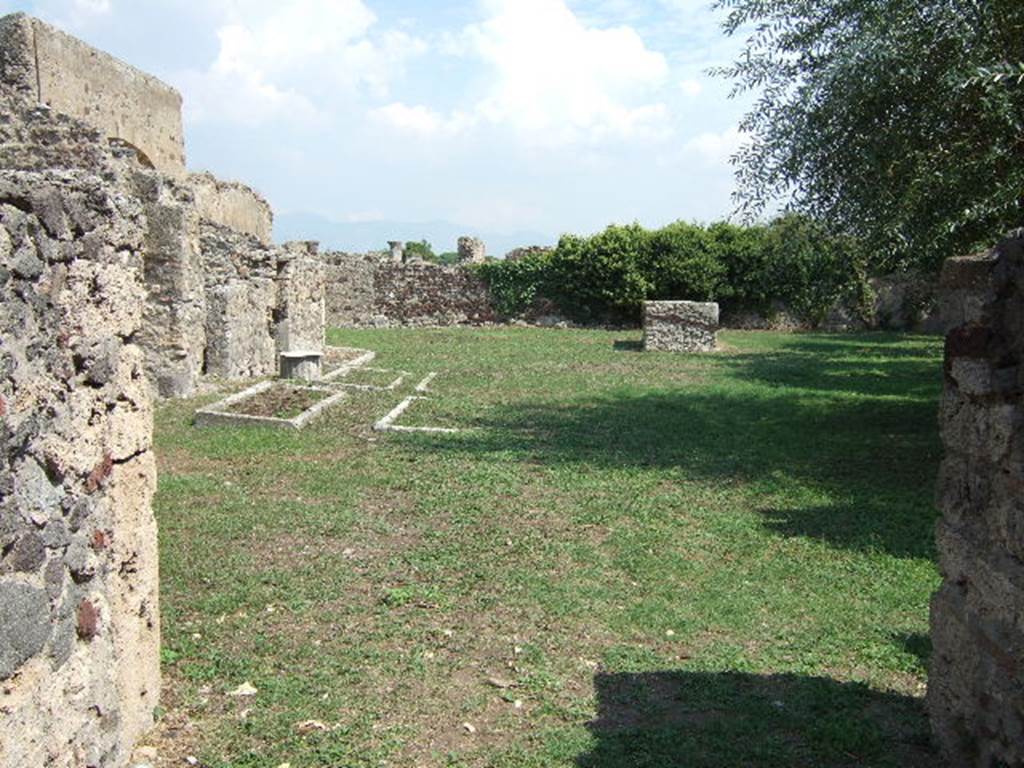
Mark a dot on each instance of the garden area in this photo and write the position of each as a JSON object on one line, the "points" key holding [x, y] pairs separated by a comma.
{"points": [[622, 559]]}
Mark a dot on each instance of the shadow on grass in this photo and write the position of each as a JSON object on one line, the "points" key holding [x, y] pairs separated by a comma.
{"points": [[628, 345], [724, 720], [859, 429]]}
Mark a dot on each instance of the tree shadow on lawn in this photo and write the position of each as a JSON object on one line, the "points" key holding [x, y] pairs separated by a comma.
{"points": [[727, 719], [869, 443]]}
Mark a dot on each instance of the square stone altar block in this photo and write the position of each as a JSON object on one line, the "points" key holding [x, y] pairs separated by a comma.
{"points": [[680, 326]]}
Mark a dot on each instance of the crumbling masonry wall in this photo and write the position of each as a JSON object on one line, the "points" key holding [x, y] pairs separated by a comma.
{"points": [[232, 205], [300, 309], [240, 275], [976, 681], [50, 67], [173, 333], [369, 290], [79, 619]]}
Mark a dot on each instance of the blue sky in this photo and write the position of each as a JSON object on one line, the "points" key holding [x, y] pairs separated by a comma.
{"points": [[500, 115]]}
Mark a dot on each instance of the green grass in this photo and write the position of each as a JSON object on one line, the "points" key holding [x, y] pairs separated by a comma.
{"points": [[666, 560]]}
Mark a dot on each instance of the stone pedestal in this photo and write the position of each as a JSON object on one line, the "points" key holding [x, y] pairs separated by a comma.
{"points": [[680, 326], [303, 364]]}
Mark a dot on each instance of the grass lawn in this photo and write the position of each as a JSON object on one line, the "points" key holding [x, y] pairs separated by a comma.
{"points": [[628, 559]]}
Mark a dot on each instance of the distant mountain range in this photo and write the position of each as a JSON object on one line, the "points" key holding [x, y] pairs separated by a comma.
{"points": [[362, 236]]}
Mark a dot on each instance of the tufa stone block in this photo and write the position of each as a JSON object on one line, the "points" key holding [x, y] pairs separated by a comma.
{"points": [[680, 326]]}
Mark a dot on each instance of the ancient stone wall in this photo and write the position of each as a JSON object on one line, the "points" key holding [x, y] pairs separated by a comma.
{"points": [[680, 326], [368, 290], [240, 275], [79, 619], [232, 205], [472, 250], [350, 290], [173, 334], [976, 681], [75, 79], [300, 313]]}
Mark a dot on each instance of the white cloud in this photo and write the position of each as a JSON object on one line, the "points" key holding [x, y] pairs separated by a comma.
{"points": [[558, 80], [284, 59], [419, 120], [93, 6], [691, 87], [715, 148], [553, 80]]}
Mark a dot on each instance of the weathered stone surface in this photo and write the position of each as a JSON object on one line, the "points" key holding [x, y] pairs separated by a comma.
{"points": [[78, 627], [174, 332], [367, 290], [239, 329], [52, 68], [232, 205], [300, 308], [472, 250], [680, 326], [24, 625], [976, 681]]}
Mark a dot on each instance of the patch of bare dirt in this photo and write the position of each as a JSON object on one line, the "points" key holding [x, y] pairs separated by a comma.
{"points": [[279, 402]]}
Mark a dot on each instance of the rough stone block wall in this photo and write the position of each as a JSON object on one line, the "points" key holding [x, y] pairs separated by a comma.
{"points": [[680, 326], [232, 205], [300, 309], [34, 138], [350, 290], [79, 619], [429, 294], [240, 329], [240, 275], [173, 334], [73, 78], [472, 250], [976, 681], [368, 290]]}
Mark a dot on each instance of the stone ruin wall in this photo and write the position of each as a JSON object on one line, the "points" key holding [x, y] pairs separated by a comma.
{"points": [[301, 309], [118, 279], [79, 618], [232, 205], [976, 681], [52, 68], [372, 291]]}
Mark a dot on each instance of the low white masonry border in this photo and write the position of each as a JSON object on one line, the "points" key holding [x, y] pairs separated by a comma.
{"points": [[219, 414], [387, 424], [344, 369]]}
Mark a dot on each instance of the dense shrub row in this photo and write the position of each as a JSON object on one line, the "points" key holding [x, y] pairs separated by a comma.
{"points": [[791, 262]]}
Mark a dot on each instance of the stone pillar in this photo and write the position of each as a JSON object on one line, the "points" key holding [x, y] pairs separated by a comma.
{"points": [[976, 682], [472, 250], [397, 250], [680, 326], [300, 310], [173, 333], [239, 328], [79, 617]]}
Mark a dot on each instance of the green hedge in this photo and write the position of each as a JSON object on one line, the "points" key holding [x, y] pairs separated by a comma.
{"points": [[792, 261]]}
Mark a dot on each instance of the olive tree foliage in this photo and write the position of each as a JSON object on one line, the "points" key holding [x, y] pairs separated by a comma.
{"points": [[899, 122]]}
